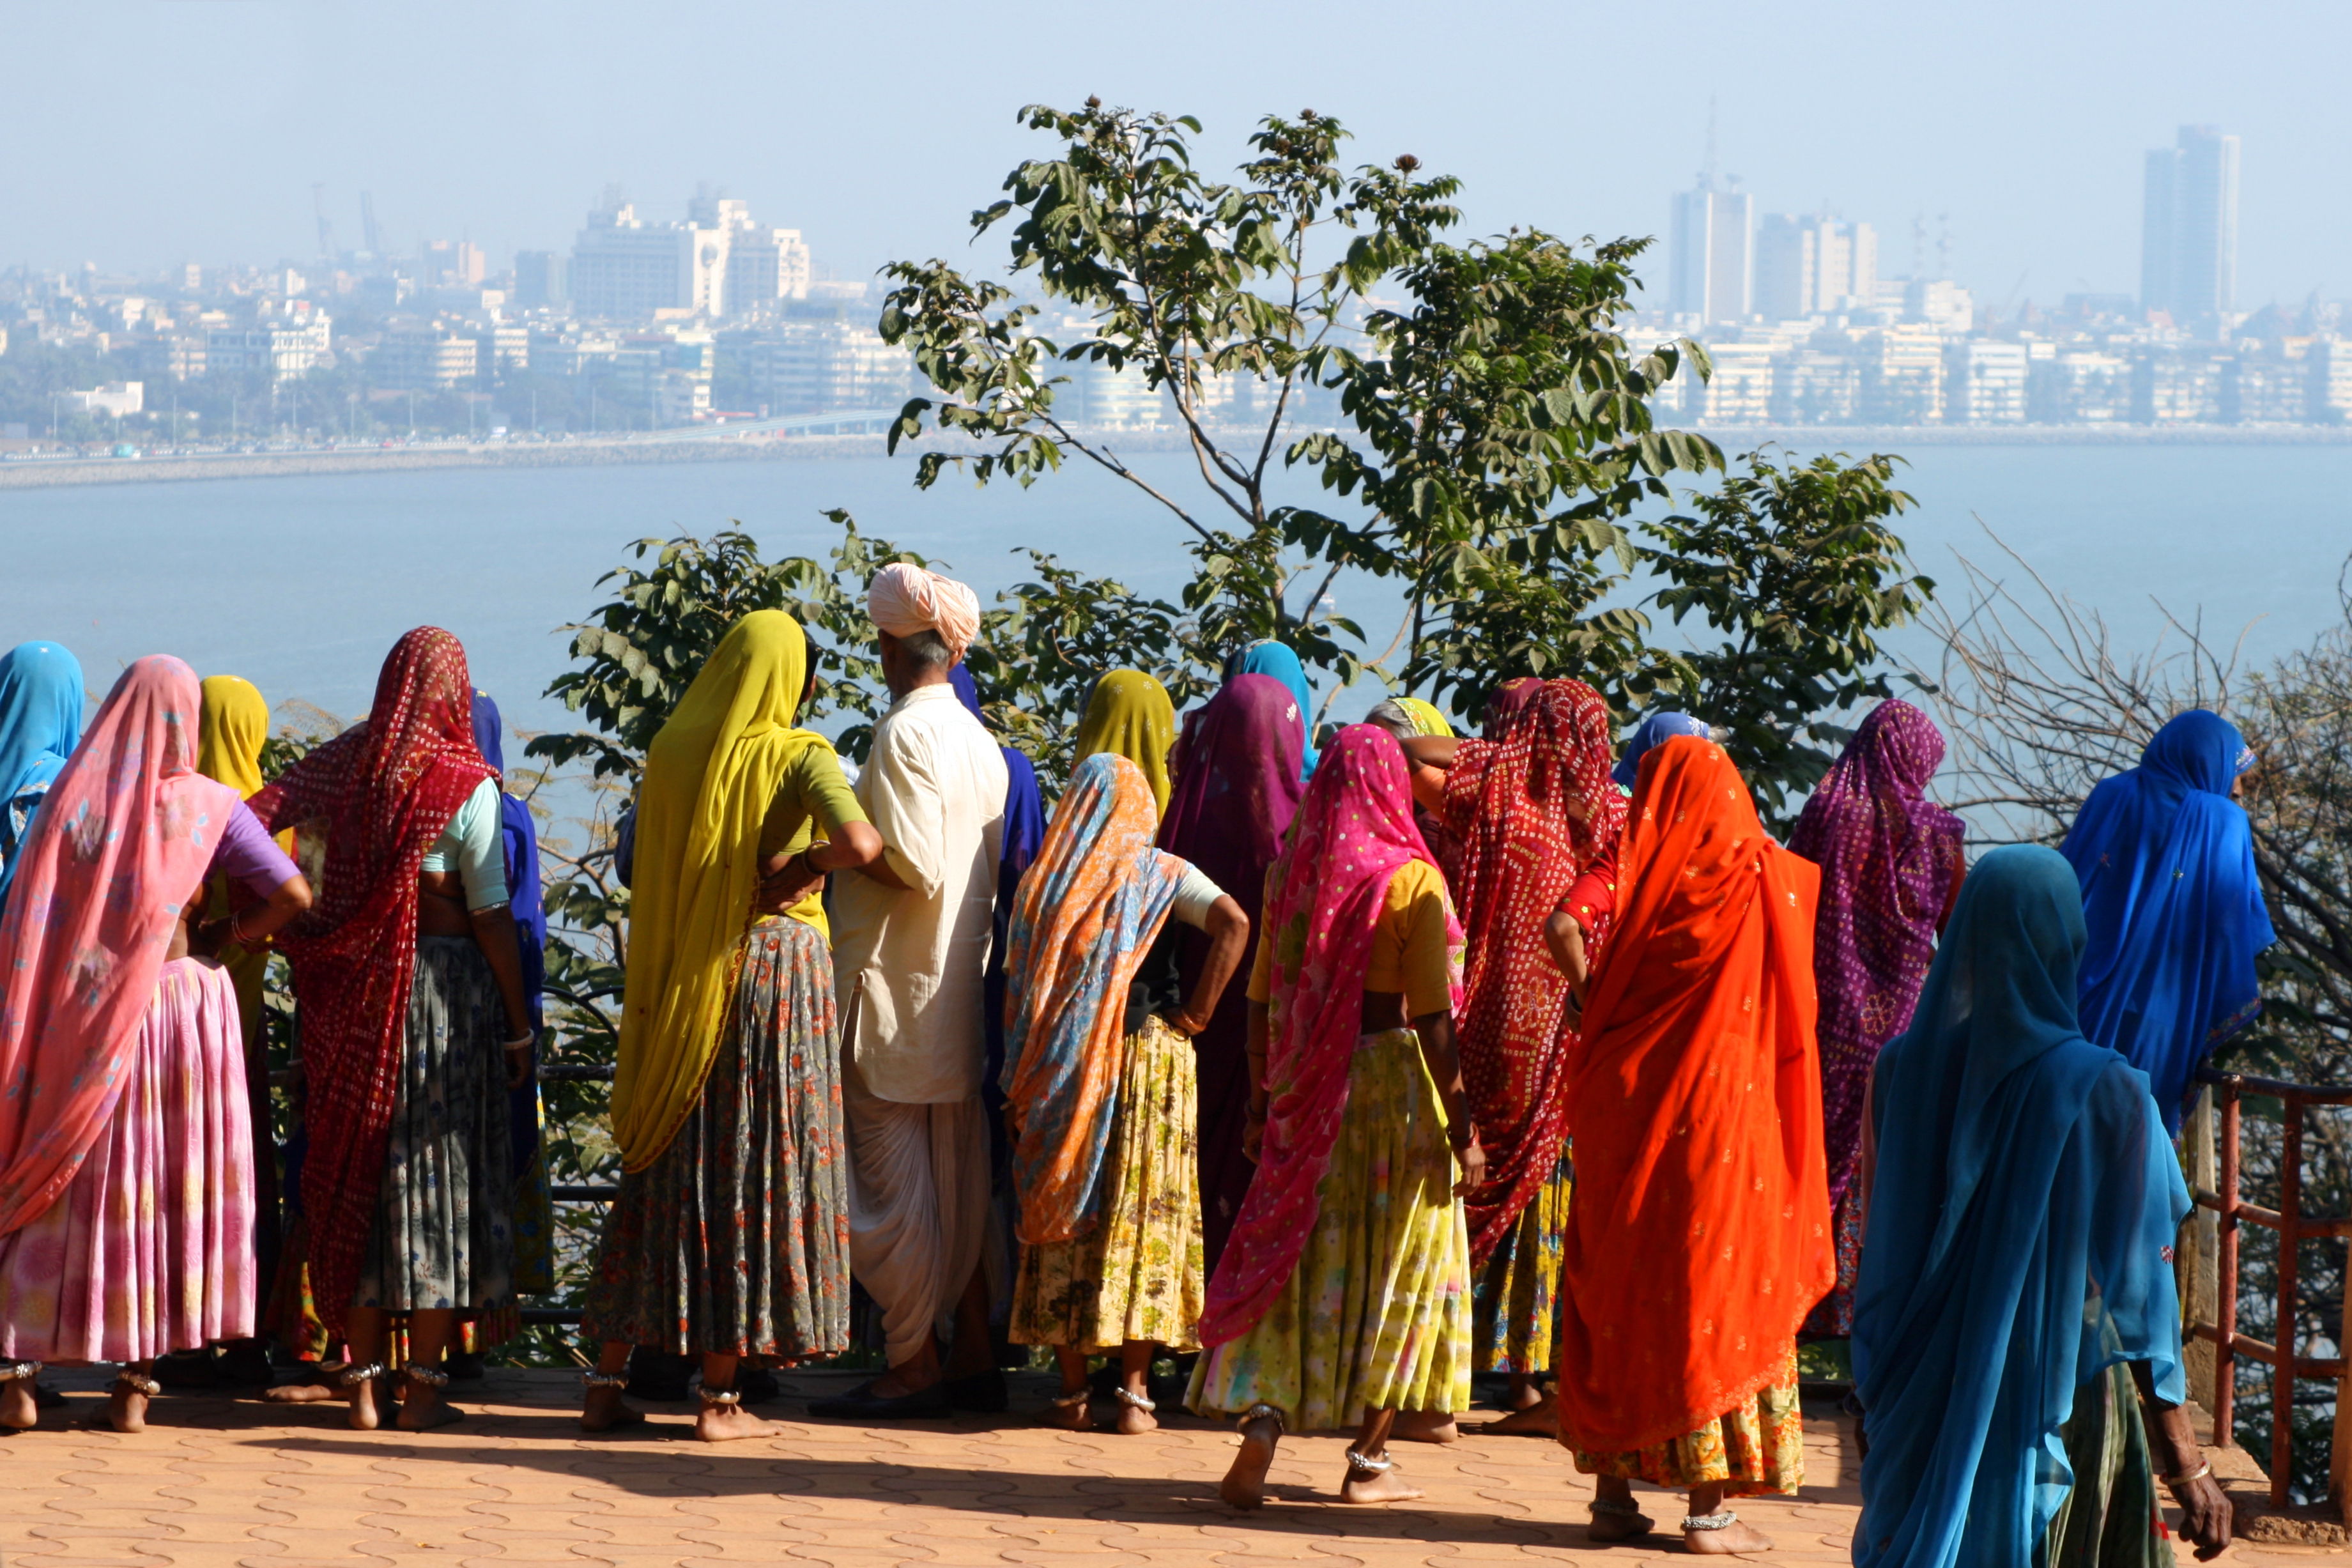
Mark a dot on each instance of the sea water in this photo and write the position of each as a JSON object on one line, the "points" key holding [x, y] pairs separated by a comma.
{"points": [[301, 584]]}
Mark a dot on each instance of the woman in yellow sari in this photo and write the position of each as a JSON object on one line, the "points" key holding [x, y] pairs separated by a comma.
{"points": [[730, 1239]]}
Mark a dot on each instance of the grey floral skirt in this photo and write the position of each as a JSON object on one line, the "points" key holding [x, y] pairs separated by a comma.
{"points": [[735, 1241], [444, 1232]]}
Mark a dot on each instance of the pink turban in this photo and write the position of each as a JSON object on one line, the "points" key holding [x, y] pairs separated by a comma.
{"points": [[903, 600]]}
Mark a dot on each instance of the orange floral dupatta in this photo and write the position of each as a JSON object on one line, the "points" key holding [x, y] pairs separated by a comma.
{"points": [[1700, 1234]]}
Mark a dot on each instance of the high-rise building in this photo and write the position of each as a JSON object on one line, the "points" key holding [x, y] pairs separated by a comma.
{"points": [[763, 265], [1814, 267], [1711, 256], [541, 277], [2189, 230], [626, 269]]}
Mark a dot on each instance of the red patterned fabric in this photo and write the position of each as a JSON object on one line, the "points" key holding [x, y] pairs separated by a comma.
{"points": [[1507, 802], [380, 793]]}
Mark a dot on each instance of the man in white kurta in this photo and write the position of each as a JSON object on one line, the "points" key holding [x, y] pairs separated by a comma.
{"points": [[910, 949]]}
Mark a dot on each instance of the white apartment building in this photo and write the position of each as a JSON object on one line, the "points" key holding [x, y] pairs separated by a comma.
{"points": [[1710, 255], [2077, 385], [287, 350], [1902, 376], [423, 357], [1740, 390], [822, 367], [1814, 267], [625, 270], [1984, 382], [116, 398]]}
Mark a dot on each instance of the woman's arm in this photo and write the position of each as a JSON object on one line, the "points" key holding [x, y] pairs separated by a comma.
{"points": [[494, 933], [786, 880], [1437, 1049], [2181, 1465], [255, 924], [1228, 931]]}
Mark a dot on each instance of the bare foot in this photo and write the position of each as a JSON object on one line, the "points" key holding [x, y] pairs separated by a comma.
{"points": [[303, 1393], [1244, 1483], [126, 1408], [1135, 1421], [1607, 1527], [731, 1423], [1540, 1419], [1381, 1486], [18, 1411], [1735, 1537], [1076, 1416], [603, 1411], [1426, 1426], [425, 1406]]}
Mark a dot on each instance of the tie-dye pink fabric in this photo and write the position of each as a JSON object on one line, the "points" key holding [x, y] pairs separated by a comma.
{"points": [[1323, 900], [120, 847], [150, 1249]]}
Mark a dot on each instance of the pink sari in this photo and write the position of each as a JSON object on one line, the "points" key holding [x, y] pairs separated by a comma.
{"points": [[1323, 900], [120, 847]]}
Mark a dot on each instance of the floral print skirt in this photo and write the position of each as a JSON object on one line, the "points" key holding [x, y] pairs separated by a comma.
{"points": [[444, 1232], [735, 1241], [1377, 1314], [1514, 1306], [1137, 1275], [1757, 1448], [149, 1248]]}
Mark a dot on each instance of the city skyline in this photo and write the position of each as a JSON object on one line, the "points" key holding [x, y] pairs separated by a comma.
{"points": [[875, 144]]}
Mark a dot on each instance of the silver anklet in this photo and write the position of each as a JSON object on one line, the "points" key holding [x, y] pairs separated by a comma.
{"points": [[720, 1396], [426, 1375], [1262, 1411], [1133, 1401], [1723, 1520], [1359, 1465], [1072, 1401], [1628, 1509], [138, 1384], [19, 1370], [353, 1376], [604, 1380]]}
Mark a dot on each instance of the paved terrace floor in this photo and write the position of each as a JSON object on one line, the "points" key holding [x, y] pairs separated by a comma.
{"points": [[218, 1481]]}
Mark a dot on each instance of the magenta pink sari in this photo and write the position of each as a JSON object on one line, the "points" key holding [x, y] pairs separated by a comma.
{"points": [[119, 846], [1323, 900]]}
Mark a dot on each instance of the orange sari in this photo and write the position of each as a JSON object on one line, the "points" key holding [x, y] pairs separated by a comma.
{"points": [[1700, 1236]]}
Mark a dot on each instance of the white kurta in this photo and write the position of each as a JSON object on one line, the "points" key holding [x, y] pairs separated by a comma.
{"points": [[909, 966]]}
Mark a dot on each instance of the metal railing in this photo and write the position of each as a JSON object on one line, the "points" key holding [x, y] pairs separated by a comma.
{"points": [[2294, 1227], [592, 1193]]}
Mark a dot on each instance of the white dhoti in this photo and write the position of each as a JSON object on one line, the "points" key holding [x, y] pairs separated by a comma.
{"points": [[918, 1207]]}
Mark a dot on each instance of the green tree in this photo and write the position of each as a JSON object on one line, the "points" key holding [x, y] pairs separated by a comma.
{"points": [[1794, 570]]}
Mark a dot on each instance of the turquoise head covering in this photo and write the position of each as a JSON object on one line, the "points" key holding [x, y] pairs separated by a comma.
{"points": [[41, 698]]}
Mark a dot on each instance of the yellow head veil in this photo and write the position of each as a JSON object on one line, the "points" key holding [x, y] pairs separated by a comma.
{"points": [[1426, 718], [710, 775], [231, 726], [1130, 715]]}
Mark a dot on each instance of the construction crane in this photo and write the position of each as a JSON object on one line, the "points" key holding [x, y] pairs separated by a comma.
{"points": [[326, 230], [367, 224]]}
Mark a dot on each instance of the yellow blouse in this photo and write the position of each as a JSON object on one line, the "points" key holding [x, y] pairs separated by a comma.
{"points": [[1409, 948]]}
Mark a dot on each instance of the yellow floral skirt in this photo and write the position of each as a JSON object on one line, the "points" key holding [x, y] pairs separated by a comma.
{"points": [[1138, 1274], [1376, 1316], [1755, 1450], [1515, 1310]]}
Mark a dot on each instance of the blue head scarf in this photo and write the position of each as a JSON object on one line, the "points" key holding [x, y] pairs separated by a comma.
{"points": [[2175, 910], [2020, 1168], [528, 903], [41, 700], [1276, 660], [1657, 727]]}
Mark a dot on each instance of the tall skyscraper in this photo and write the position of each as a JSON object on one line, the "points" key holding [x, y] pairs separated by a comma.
{"points": [[2188, 230], [1712, 255], [1814, 267]]}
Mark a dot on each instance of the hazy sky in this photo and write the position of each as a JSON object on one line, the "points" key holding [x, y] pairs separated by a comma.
{"points": [[136, 135]]}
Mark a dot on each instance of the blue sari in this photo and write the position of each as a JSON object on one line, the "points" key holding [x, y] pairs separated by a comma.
{"points": [[2166, 859], [534, 1218], [1276, 660], [1025, 832], [2022, 1220], [41, 700]]}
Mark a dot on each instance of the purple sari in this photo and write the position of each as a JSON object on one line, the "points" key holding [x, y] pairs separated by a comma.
{"points": [[1237, 788], [1891, 861]]}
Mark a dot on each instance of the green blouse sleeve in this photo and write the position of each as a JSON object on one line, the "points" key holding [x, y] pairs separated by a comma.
{"points": [[812, 792]]}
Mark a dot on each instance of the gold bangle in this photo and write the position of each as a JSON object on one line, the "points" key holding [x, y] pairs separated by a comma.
{"points": [[2199, 1474]]}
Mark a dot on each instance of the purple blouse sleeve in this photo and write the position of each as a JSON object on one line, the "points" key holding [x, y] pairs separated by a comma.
{"points": [[248, 854]]}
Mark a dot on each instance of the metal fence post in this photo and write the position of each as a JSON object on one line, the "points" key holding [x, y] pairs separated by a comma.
{"points": [[2290, 1236], [2225, 1314]]}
